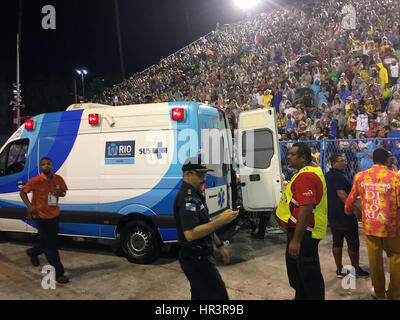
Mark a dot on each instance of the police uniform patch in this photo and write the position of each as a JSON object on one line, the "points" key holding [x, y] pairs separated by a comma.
{"points": [[190, 207]]}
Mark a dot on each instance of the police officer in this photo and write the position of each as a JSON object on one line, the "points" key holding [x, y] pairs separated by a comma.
{"points": [[196, 234]]}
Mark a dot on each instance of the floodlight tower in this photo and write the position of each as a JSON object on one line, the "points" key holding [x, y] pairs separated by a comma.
{"points": [[82, 73]]}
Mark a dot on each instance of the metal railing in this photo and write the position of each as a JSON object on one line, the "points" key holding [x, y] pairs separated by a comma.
{"points": [[358, 153]]}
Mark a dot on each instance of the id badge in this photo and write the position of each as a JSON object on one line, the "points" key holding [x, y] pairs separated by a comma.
{"points": [[52, 200]]}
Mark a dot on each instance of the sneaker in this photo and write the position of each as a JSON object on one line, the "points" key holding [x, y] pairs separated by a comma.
{"points": [[62, 279], [342, 273], [34, 259], [257, 236], [373, 294], [362, 273], [274, 230]]}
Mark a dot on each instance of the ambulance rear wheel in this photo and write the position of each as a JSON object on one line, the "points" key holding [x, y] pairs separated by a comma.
{"points": [[140, 243]]}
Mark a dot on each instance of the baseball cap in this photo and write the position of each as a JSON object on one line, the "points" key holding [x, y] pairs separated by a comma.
{"points": [[195, 164]]}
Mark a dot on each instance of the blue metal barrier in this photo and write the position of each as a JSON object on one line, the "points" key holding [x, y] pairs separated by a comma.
{"points": [[358, 153], [316, 148]]}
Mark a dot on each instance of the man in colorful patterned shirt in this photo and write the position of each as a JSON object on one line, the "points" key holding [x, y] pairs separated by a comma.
{"points": [[379, 191]]}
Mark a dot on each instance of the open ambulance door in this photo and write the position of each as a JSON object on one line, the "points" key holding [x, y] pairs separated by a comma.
{"points": [[258, 155]]}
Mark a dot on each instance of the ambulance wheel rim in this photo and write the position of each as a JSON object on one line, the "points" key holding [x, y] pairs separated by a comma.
{"points": [[138, 242]]}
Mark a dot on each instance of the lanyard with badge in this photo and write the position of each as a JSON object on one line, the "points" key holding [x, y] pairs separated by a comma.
{"points": [[52, 199]]}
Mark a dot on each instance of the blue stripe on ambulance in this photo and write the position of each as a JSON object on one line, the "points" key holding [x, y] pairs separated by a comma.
{"points": [[62, 129], [159, 200]]}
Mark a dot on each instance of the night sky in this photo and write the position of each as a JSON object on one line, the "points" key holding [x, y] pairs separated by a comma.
{"points": [[86, 37], [86, 34]]}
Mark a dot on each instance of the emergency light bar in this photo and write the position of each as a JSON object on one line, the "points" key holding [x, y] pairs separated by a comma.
{"points": [[29, 124], [93, 119], [178, 114]]}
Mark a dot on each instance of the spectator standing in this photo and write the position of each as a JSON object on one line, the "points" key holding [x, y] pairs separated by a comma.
{"points": [[366, 149], [394, 133], [289, 123], [394, 107], [362, 123], [288, 92], [260, 98], [316, 89], [382, 118], [276, 100], [290, 110], [337, 104], [394, 72], [383, 75], [282, 104], [318, 133], [341, 119], [343, 226], [281, 123], [267, 100], [379, 191], [344, 93], [322, 97], [373, 128]]}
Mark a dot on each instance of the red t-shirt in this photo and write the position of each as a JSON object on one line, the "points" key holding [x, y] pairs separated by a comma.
{"points": [[307, 189]]}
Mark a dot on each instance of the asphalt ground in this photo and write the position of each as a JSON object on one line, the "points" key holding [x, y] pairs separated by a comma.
{"points": [[257, 271]]}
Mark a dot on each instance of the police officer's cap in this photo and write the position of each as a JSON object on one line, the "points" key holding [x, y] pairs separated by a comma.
{"points": [[195, 164]]}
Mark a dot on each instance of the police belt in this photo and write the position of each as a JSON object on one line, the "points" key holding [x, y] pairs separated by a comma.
{"points": [[191, 252]]}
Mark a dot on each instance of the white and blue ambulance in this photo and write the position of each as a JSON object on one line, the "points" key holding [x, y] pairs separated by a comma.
{"points": [[122, 166]]}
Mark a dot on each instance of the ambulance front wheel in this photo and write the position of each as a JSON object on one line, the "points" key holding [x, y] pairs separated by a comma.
{"points": [[140, 243]]}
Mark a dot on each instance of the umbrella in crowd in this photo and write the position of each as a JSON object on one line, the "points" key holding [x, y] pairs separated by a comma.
{"points": [[301, 92], [305, 59]]}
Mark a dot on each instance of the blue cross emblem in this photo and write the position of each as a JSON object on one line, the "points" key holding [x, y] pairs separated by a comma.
{"points": [[159, 150], [221, 197]]}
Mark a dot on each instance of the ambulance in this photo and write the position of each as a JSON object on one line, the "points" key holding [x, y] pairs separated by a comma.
{"points": [[123, 168]]}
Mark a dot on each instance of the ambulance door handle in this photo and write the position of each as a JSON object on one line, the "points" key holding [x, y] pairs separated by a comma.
{"points": [[255, 177]]}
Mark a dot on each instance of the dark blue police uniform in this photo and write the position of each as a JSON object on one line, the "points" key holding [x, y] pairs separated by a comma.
{"points": [[197, 257]]}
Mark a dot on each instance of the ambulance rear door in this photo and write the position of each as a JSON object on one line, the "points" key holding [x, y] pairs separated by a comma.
{"points": [[258, 156], [215, 152]]}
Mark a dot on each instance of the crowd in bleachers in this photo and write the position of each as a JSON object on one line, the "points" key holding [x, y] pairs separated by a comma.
{"points": [[323, 80]]}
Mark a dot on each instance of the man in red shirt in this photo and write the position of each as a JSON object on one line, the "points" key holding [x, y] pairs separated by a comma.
{"points": [[47, 188], [302, 210]]}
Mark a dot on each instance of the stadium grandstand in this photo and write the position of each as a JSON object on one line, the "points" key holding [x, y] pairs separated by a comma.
{"points": [[325, 79]]}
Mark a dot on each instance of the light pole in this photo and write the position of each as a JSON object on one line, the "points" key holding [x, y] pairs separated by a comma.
{"points": [[17, 103], [82, 73], [121, 56]]}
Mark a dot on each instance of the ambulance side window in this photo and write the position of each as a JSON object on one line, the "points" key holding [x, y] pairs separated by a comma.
{"points": [[13, 157], [260, 148]]}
